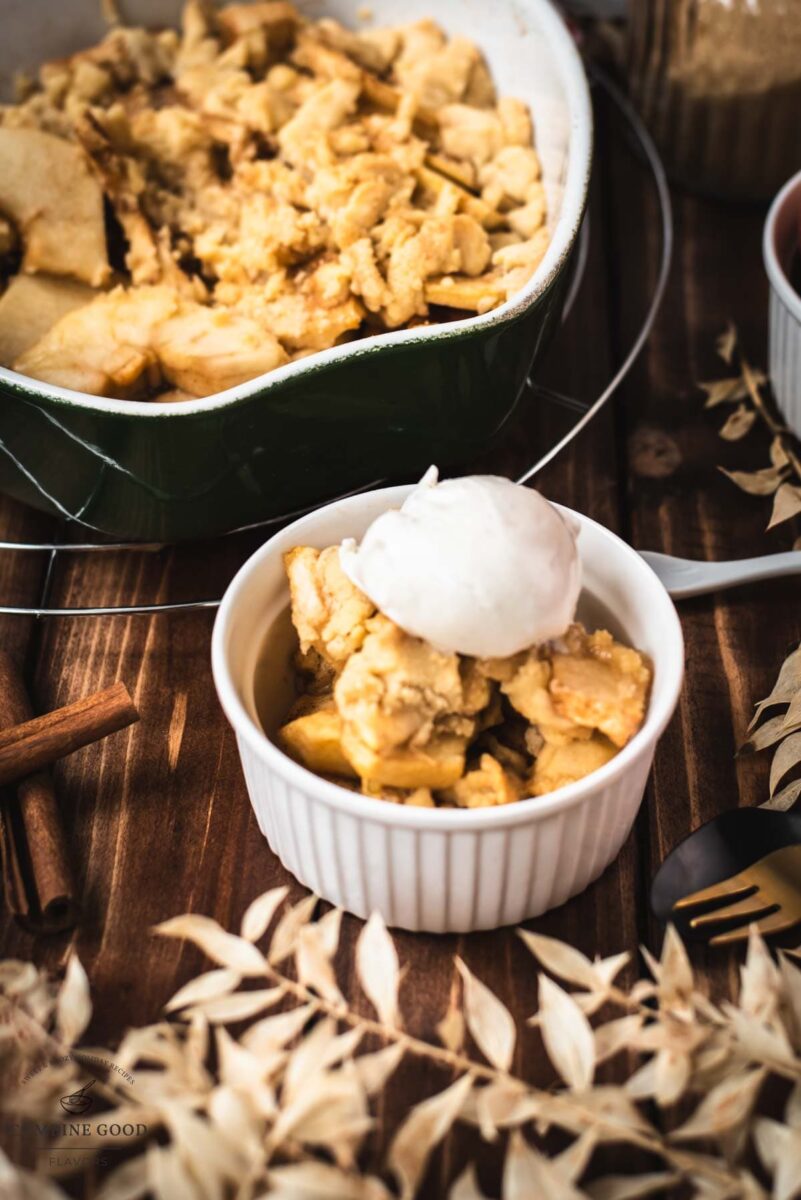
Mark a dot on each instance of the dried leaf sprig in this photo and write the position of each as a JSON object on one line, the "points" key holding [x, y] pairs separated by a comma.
{"points": [[777, 723], [282, 1109], [782, 478]]}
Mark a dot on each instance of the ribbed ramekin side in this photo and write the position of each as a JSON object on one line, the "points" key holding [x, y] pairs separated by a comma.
{"points": [[785, 360], [444, 880]]}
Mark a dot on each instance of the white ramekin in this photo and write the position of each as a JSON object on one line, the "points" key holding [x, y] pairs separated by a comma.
{"points": [[782, 236], [443, 870]]}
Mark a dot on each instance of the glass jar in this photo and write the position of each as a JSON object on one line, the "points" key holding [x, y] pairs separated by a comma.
{"points": [[719, 84]]}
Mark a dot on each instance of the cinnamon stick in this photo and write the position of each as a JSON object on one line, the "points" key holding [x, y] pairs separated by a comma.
{"points": [[39, 884], [29, 746]]}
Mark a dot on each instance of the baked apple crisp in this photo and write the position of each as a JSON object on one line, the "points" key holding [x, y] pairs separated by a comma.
{"points": [[252, 189], [388, 713]]}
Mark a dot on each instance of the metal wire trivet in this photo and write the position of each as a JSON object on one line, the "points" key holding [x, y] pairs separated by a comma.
{"points": [[586, 410]]}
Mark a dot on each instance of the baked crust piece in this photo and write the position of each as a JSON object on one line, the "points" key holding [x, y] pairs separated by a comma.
{"points": [[419, 726]]}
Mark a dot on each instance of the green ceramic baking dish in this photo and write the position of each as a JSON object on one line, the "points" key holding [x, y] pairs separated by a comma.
{"points": [[384, 406]]}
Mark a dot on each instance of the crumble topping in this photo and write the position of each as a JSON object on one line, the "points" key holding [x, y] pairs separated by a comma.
{"points": [[276, 186], [394, 716]]}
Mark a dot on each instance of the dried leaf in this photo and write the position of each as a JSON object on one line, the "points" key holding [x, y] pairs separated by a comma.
{"points": [[643, 1084], [785, 759], [319, 1181], [757, 483], [791, 995], [272, 1033], [450, 1029], [127, 1182], [615, 1108], [489, 1021], [527, 1173], [167, 1175], [792, 718], [785, 798], [260, 913], [768, 734], [200, 1144], [319, 1050], [329, 928], [423, 1130], [608, 969], [561, 959], [675, 972], [238, 1067], [786, 504], [501, 1105], [342, 1048], [285, 936], [466, 1186], [780, 1151], [753, 377], [567, 1035], [759, 979], [738, 424], [792, 1109], [724, 391], [17, 1184], [223, 948], [332, 1115], [778, 455], [208, 986], [724, 1108], [74, 1006], [240, 1006], [573, 1162], [375, 1069], [306, 1061], [761, 1043], [314, 966], [726, 344], [234, 1116], [379, 970], [734, 1185], [616, 1035], [673, 1071], [632, 1187], [787, 683]]}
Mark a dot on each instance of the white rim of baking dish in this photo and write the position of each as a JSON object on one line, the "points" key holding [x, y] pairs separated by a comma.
{"points": [[562, 241], [660, 711], [776, 273]]}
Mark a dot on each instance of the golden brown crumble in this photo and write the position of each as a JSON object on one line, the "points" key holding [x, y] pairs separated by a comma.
{"points": [[419, 726], [278, 186]]}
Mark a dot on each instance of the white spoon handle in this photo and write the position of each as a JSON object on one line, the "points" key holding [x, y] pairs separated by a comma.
{"points": [[685, 577]]}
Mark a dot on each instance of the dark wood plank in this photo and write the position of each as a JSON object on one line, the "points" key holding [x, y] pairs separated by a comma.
{"points": [[680, 503]]}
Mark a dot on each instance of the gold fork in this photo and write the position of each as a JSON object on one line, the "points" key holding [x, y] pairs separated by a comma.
{"points": [[767, 894]]}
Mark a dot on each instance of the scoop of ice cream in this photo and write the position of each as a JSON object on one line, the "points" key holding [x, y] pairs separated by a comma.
{"points": [[479, 566]]}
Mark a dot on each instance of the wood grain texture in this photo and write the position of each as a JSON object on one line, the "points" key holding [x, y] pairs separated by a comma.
{"points": [[158, 816]]}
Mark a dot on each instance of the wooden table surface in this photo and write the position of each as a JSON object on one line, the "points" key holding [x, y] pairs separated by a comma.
{"points": [[158, 816]]}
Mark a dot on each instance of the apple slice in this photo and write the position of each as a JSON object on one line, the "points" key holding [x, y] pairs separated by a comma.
{"points": [[48, 190], [29, 308]]}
